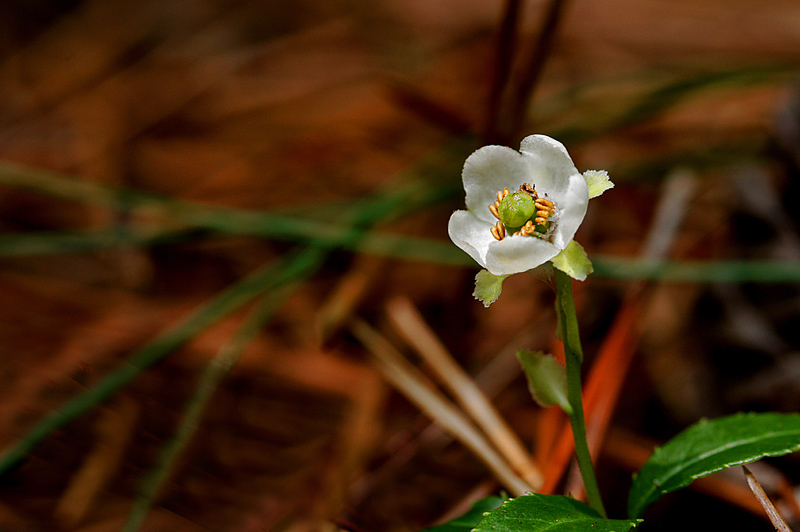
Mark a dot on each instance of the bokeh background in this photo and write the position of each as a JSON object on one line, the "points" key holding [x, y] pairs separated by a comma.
{"points": [[203, 202]]}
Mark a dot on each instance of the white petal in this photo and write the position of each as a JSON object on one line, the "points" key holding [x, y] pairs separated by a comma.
{"points": [[471, 234], [517, 254], [489, 170], [555, 177], [550, 165], [572, 210]]}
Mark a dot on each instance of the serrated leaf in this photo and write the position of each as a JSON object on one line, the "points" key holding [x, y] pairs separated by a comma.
{"points": [[710, 446], [488, 287], [597, 181], [573, 261], [547, 379], [551, 513], [466, 522]]}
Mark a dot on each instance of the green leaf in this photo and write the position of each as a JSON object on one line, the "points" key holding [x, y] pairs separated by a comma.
{"points": [[551, 513], [467, 522], [547, 379], [597, 181], [488, 287], [573, 261], [710, 446]]}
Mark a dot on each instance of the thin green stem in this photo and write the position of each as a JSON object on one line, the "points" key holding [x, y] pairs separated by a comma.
{"points": [[573, 352]]}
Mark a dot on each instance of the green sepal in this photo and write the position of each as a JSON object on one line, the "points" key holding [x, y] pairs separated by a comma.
{"points": [[547, 379], [488, 287], [597, 181], [573, 261]]}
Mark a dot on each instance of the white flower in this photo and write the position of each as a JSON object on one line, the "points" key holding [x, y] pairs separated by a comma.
{"points": [[542, 163]]}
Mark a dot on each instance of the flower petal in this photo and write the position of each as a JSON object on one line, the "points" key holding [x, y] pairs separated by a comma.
{"points": [[471, 234], [516, 254], [572, 210], [550, 164], [488, 170], [555, 176]]}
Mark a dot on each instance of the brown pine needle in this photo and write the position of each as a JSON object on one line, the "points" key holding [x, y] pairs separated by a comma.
{"points": [[420, 391], [114, 429], [777, 521], [410, 324]]}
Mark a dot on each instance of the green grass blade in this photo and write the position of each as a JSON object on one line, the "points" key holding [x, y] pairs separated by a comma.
{"points": [[56, 243], [213, 374], [346, 231], [654, 101], [744, 271], [355, 223], [267, 278]]}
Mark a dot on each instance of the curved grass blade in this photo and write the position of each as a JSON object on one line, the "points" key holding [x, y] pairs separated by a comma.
{"points": [[653, 102], [771, 271], [60, 242], [353, 224], [214, 372], [268, 278], [550, 513], [710, 446]]}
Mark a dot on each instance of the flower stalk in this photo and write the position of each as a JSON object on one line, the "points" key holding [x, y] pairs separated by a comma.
{"points": [[573, 354]]}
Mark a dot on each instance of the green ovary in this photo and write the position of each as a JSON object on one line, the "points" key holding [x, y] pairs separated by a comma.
{"points": [[516, 209]]}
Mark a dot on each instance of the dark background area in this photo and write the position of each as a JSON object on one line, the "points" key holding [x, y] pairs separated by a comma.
{"points": [[156, 154]]}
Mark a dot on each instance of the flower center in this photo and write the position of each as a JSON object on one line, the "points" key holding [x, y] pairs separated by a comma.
{"points": [[522, 213]]}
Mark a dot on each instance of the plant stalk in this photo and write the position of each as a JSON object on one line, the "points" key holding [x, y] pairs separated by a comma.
{"points": [[573, 354]]}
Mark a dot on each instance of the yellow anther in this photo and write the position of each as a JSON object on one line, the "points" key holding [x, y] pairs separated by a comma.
{"points": [[525, 187], [544, 210], [499, 231], [526, 230]]}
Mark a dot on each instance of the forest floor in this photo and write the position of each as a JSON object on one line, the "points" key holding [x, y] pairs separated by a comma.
{"points": [[202, 204]]}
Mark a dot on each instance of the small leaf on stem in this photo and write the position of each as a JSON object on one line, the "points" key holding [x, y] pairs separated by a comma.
{"points": [[547, 379]]}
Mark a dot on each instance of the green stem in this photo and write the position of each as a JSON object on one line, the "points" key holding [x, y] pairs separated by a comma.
{"points": [[573, 354]]}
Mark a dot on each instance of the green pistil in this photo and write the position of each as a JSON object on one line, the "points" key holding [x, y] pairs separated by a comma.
{"points": [[516, 209]]}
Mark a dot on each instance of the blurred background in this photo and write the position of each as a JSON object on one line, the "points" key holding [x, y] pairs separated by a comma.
{"points": [[217, 215]]}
